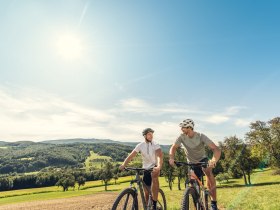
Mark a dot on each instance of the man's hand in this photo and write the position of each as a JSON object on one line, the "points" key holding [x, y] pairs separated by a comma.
{"points": [[212, 163], [156, 170], [171, 162], [122, 167]]}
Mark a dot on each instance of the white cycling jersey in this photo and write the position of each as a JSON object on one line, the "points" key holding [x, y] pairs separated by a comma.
{"points": [[148, 153]]}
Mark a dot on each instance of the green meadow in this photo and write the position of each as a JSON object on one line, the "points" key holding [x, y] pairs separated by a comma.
{"points": [[95, 160], [263, 194]]}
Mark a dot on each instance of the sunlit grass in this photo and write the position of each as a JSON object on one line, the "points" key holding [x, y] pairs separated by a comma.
{"points": [[263, 194], [95, 160]]}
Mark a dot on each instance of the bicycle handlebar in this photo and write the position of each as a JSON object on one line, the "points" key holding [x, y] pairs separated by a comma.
{"points": [[198, 164], [138, 169]]}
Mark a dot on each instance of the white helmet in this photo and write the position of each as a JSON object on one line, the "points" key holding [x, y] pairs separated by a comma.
{"points": [[187, 123]]}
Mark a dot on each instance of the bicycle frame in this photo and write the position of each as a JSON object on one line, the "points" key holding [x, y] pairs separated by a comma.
{"points": [[129, 196], [141, 185], [199, 187], [196, 183]]}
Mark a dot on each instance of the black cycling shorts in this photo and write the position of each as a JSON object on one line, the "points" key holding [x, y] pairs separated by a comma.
{"points": [[147, 178], [198, 170]]}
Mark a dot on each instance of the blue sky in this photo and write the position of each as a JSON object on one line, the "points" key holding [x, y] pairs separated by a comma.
{"points": [[108, 69]]}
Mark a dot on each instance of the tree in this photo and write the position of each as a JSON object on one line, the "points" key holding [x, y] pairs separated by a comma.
{"points": [[222, 177], [6, 183], [183, 170], [116, 177], [264, 139], [106, 173], [66, 181], [168, 171], [238, 160], [81, 181]]}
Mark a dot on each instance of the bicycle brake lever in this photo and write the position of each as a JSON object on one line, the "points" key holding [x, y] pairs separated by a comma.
{"points": [[178, 164]]}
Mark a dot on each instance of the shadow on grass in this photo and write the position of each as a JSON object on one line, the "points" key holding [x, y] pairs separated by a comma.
{"points": [[252, 185]]}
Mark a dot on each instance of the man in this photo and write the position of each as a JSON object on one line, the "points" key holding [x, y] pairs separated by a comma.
{"points": [[194, 145], [152, 157]]}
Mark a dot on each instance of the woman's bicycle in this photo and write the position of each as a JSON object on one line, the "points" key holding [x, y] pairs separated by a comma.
{"points": [[196, 195], [128, 198]]}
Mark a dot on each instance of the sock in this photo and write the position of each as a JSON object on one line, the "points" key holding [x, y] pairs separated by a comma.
{"points": [[155, 204], [214, 203]]}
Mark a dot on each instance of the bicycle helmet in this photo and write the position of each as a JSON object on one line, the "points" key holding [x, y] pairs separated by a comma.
{"points": [[187, 123], [147, 130]]}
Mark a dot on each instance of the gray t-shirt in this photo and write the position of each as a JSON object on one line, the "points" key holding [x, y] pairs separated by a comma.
{"points": [[194, 147]]}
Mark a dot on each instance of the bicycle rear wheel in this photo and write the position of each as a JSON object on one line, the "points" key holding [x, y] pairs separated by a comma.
{"points": [[190, 199], [161, 203], [127, 200]]}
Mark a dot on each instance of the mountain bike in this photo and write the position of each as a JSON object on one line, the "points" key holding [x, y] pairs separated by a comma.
{"points": [[196, 195], [128, 198]]}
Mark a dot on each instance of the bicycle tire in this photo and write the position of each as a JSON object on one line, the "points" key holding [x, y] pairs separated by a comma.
{"points": [[207, 201], [161, 204], [187, 203], [125, 194]]}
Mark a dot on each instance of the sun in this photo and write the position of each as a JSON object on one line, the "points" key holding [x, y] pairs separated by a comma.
{"points": [[69, 46]]}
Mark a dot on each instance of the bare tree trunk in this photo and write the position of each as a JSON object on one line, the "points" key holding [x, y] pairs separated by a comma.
{"points": [[179, 183], [170, 185], [105, 186], [249, 178], [244, 176], [170, 181]]}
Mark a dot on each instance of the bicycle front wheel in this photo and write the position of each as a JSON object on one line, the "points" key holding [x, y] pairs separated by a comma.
{"points": [[127, 200], [161, 203], [206, 200], [190, 199]]}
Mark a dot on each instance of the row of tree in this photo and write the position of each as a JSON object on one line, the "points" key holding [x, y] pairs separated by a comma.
{"points": [[260, 148]]}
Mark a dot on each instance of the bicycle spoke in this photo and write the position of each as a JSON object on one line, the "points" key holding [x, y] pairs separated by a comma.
{"points": [[126, 202]]}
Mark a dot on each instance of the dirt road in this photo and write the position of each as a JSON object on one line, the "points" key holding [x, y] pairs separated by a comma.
{"points": [[100, 201]]}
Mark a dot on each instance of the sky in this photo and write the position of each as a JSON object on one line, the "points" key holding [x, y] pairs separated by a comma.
{"points": [[108, 69]]}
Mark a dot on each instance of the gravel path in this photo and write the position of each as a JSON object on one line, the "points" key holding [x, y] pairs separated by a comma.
{"points": [[100, 201]]}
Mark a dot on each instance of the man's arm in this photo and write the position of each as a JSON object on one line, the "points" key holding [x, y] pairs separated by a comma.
{"points": [[159, 156], [172, 153], [216, 154], [128, 159]]}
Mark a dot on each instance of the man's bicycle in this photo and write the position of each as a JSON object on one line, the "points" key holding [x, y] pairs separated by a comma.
{"points": [[128, 198], [196, 195]]}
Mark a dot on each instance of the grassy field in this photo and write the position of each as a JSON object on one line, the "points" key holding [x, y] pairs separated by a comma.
{"points": [[95, 160], [263, 194]]}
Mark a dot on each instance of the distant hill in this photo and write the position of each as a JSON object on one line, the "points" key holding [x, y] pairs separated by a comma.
{"points": [[88, 141], [165, 148], [28, 156]]}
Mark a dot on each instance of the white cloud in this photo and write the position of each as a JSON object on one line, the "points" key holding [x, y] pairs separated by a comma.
{"points": [[34, 115], [43, 116], [134, 104], [234, 110], [224, 116], [242, 122], [217, 119]]}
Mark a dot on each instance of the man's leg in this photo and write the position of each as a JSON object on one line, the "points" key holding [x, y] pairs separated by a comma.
{"points": [[155, 188], [211, 185], [155, 185], [146, 192], [147, 178]]}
